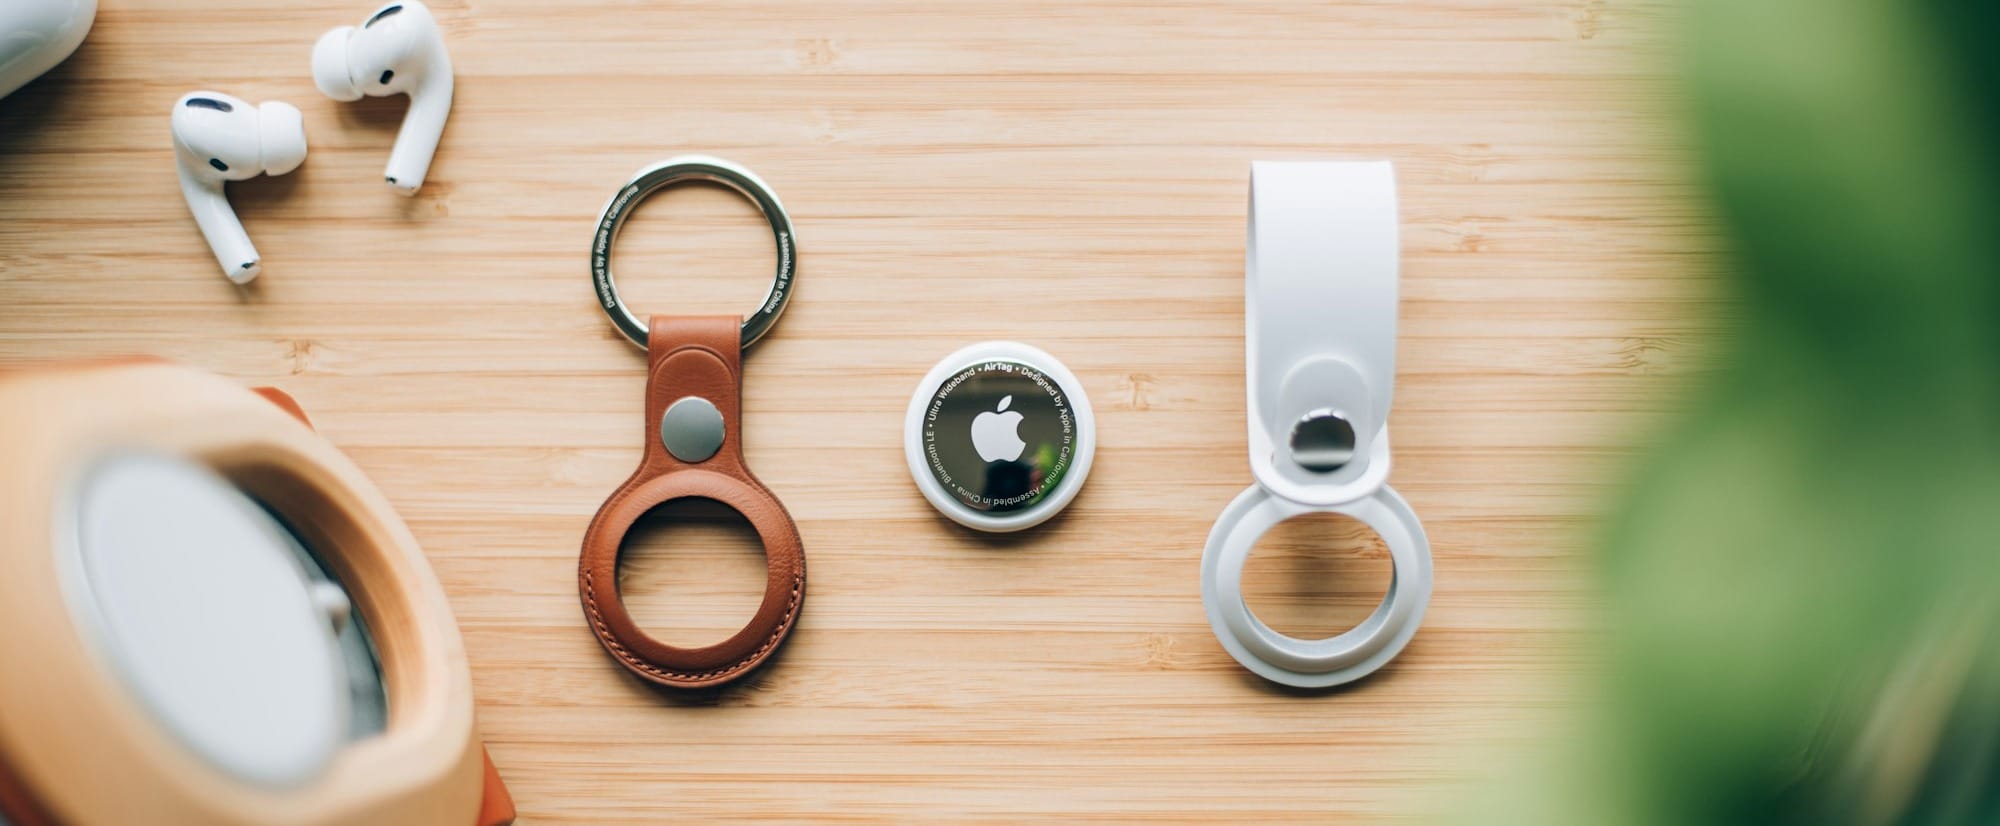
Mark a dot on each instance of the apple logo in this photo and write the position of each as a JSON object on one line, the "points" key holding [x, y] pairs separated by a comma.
{"points": [[992, 433]]}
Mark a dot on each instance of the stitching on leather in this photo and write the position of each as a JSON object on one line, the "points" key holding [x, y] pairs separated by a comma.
{"points": [[632, 661]]}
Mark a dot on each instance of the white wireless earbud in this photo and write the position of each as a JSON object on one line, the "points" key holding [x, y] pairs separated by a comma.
{"points": [[397, 50], [220, 138]]}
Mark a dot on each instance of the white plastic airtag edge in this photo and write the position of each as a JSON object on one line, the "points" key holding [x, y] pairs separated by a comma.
{"points": [[1065, 491]]}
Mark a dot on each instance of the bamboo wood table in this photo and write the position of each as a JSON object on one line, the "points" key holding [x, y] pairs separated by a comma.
{"points": [[1069, 174]]}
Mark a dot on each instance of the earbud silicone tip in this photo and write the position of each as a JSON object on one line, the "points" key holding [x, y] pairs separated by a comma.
{"points": [[329, 67], [281, 132]]}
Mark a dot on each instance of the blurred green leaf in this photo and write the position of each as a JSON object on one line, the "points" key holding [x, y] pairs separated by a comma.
{"points": [[1801, 583]]}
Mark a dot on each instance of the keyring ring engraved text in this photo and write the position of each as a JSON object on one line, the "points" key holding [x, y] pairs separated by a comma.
{"points": [[681, 170]]}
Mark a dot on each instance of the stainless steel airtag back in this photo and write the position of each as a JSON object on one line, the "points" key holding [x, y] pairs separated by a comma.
{"points": [[999, 436], [216, 618]]}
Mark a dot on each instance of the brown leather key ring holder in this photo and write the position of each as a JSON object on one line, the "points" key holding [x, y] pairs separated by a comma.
{"points": [[693, 449]]}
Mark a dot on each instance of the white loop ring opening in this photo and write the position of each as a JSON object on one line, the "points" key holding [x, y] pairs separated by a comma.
{"points": [[1337, 659]]}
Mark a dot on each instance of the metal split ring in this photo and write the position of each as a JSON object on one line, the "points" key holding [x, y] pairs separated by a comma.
{"points": [[681, 170]]}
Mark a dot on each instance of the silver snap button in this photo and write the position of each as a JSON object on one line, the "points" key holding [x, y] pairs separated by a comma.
{"points": [[1323, 441], [692, 429]]}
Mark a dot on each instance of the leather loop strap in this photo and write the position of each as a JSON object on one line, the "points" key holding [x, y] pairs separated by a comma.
{"points": [[698, 357]]}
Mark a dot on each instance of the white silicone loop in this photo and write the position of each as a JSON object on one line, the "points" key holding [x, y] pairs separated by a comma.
{"points": [[1320, 300], [1320, 295], [1334, 660]]}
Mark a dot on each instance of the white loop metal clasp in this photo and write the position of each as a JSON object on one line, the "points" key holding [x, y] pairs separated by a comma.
{"points": [[1320, 297]]}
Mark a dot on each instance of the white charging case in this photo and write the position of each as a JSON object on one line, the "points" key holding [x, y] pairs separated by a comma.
{"points": [[35, 35]]}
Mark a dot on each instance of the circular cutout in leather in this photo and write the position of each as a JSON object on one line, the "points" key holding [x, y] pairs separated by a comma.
{"points": [[703, 666], [691, 572]]}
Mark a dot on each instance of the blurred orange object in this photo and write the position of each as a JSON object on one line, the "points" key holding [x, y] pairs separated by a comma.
{"points": [[214, 618]]}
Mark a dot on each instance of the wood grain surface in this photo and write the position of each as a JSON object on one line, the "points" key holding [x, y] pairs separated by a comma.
{"points": [[1070, 174]]}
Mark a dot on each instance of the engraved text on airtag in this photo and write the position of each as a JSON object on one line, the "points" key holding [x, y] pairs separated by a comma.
{"points": [[999, 435]]}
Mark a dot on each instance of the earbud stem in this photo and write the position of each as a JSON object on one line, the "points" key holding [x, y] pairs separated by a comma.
{"points": [[219, 224], [423, 128]]}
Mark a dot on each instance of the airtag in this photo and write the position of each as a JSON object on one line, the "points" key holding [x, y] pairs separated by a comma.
{"points": [[207, 614], [999, 436], [197, 597]]}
